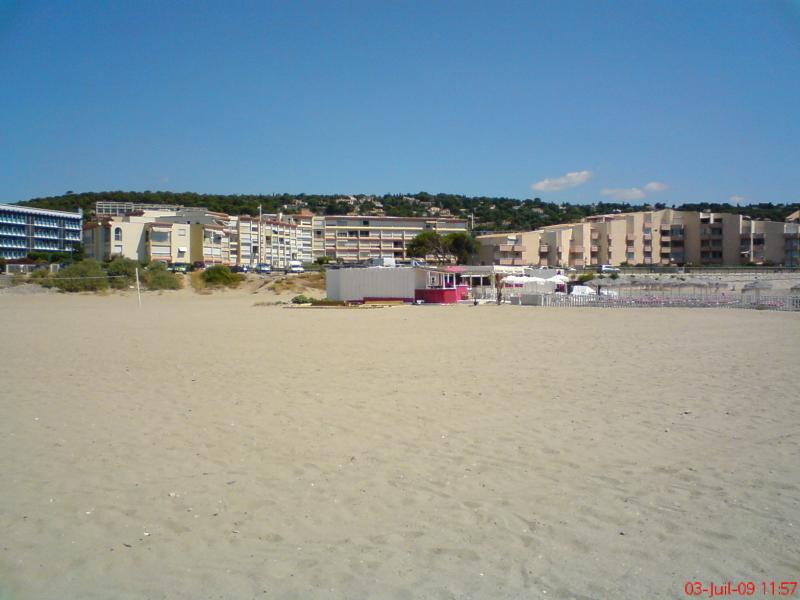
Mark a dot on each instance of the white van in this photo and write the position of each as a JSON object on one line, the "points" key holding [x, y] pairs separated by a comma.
{"points": [[295, 266]]}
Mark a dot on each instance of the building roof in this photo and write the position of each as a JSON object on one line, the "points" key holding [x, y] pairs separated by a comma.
{"points": [[40, 211], [384, 218]]}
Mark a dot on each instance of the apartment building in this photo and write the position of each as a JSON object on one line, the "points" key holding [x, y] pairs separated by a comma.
{"points": [[508, 249], [354, 238], [663, 237], [24, 230], [164, 233]]}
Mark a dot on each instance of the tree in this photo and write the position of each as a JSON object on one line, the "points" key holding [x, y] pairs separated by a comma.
{"points": [[443, 248], [462, 246], [428, 243]]}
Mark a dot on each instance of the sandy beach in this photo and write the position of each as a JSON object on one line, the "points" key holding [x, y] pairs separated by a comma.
{"points": [[204, 447]]}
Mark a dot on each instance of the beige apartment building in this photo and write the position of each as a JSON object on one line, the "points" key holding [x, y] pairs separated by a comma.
{"points": [[121, 235], [358, 238], [658, 238]]}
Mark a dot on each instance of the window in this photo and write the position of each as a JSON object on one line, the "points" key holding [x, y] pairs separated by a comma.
{"points": [[365, 223], [118, 234]]}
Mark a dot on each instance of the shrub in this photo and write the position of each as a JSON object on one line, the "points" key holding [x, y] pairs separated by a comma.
{"points": [[615, 276], [156, 277], [84, 276], [584, 277], [220, 275], [328, 302], [39, 275], [301, 300], [123, 270]]}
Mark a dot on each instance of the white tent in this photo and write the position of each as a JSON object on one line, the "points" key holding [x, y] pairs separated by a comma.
{"points": [[582, 290], [523, 279], [558, 279]]}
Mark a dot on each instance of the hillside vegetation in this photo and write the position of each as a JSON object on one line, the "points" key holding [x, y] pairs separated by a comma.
{"points": [[490, 214]]}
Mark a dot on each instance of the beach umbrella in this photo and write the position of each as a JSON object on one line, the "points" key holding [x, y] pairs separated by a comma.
{"points": [[756, 286], [558, 279]]}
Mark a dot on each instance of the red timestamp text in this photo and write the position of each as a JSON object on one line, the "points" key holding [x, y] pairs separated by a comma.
{"points": [[709, 589]]}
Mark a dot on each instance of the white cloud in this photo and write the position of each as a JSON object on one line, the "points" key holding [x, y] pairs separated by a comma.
{"points": [[557, 184], [655, 186], [737, 199], [624, 193]]}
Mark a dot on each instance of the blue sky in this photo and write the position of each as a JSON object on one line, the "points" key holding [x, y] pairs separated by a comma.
{"points": [[589, 100]]}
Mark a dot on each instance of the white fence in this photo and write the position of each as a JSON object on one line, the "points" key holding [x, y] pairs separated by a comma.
{"points": [[762, 302]]}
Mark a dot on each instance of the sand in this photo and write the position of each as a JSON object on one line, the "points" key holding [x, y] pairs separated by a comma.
{"points": [[203, 447]]}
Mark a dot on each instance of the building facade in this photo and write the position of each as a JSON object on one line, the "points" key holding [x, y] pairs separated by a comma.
{"points": [[24, 230], [648, 238], [357, 238]]}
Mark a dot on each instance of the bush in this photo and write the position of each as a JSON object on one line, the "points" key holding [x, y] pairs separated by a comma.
{"points": [[39, 275], [301, 300], [615, 276], [328, 302], [156, 277], [123, 270], [220, 275], [84, 276], [584, 277]]}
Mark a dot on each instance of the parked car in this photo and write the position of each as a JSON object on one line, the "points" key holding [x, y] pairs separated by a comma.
{"points": [[198, 264], [294, 266], [240, 269], [607, 269], [179, 267], [264, 269]]}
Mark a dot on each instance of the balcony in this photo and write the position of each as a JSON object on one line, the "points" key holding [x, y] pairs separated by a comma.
{"points": [[630, 238], [647, 237], [576, 249], [15, 232], [505, 247], [666, 238], [709, 233], [544, 248], [577, 262], [594, 248], [595, 235], [510, 262]]}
